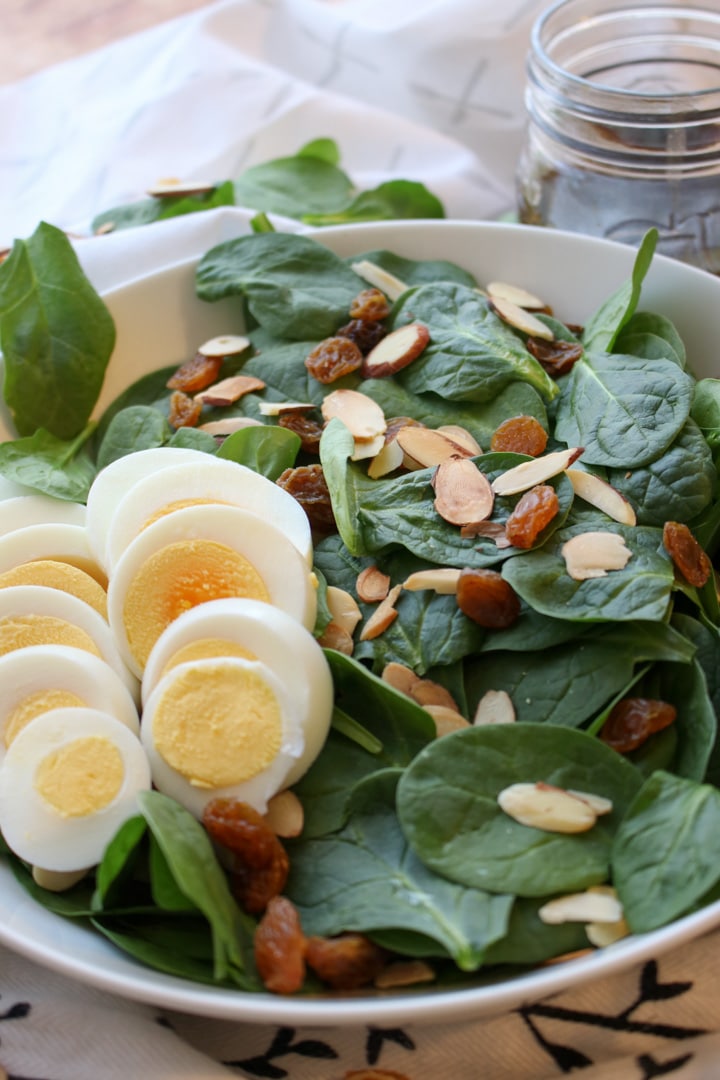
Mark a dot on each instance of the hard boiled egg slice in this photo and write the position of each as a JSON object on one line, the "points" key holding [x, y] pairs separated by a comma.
{"points": [[198, 554], [114, 481], [224, 727], [39, 678], [52, 540], [248, 627], [214, 480], [67, 783], [58, 575], [23, 510], [34, 615]]}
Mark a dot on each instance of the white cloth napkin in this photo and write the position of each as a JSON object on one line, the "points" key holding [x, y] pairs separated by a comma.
{"points": [[428, 90]]}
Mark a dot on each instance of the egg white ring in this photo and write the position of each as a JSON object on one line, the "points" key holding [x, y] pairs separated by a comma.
{"points": [[289, 582], [216, 480], [50, 540], [277, 640], [61, 667], [41, 600], [257, 789], [19, 511], [114, 481], [31, 827]]}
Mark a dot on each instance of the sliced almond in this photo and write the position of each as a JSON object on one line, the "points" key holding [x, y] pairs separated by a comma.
{"points": [[175, 187], [343, 608], [285, 814], [489, 530], [584, 907], [529, 473], [275, 408], [225, 345], [427, 692], [230, 390], [426, 447], [594, 554], [494, 707], [362, 416], [367, 448], [602, 495], [384, 615], [446, 720], [399, 676], [395, 351], [404, 973], [230, 425], [442, 580], [514, 294], [392, 286], [599, 803], [462, 493], [336, 637], [57, 880], [102, 230], [461, 437], [603, 934], [387, 460], [372, 585], [542, 806], [521, 320]]}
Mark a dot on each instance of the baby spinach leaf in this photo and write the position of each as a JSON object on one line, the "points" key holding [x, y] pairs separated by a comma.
{"points": [[137, 427], [652, 336], [389, 201], [602, 328], [472, 354], [640, 591], [625, 411], [295, 186], [145, 211], [118, 861], [416, 271], [448, 809], [56, 335], [163, 886], [149, 391], [281, 366], [684, 686], [706, 413], [193, 439], [75, 903], [266, 450], [666, 853], [50, 465], [529, 940], [365, 878]]}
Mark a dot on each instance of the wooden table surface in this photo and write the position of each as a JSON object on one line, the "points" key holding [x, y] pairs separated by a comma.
{"points": [[37, 33]]}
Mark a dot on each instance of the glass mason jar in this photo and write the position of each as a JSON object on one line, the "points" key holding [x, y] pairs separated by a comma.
{"points": [[623, 129]]}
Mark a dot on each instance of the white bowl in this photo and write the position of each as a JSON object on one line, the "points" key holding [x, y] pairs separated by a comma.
{"points": [[160, 321]]}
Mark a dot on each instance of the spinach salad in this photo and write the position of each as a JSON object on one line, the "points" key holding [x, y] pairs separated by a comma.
{"points": [[404, 839]]}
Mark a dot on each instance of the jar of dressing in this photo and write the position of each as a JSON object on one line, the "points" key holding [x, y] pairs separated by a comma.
{"points": [[623, 128]]}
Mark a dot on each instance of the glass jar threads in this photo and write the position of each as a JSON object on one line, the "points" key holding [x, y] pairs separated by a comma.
{"points": [[623, 128]]}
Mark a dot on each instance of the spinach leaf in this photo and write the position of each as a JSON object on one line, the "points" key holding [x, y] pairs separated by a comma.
{"points": [[392, 200], [602, 328], [365, 878], [50, 465], [137, 427], [448, 809], [145, 211], [706, 413], [281, 366], [295, 186], [531, 941], [148, 391], [625, 411], [666, 853], [56, 336], [193, 439], [416, 271], [684, 686], [267, 450], [164, 888], [179, 948], [118, 862], [76, 903], [652, 336]]}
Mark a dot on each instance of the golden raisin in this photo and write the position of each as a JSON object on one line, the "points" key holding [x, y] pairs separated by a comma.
{"points": [[556, 357], [345, 962], [183, 411], [332, 358], [370, 305], [195, 374], [365, 334], [687, 555], [487, 598], [259, 863], [533, 511], [279, 946], [308, 429], [519, 435], [633, 720], [306, 483]]}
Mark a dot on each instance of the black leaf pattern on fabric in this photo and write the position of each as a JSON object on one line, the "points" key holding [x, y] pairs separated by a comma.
{"points": [[18, 1011], [652, 1068], [377, 1037], [282, 1044], [652, 990], [566, 1058]]}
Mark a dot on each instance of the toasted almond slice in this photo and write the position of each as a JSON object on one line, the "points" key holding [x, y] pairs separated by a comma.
{"points": [[175, 187], [490, 530], [599, 803], [102, 230], [57, 880], [602, 495], [285, 814], [403, 973], [585, 907], [542, 806], [389, 458], [336, 637], [384, 615], [593, 554], [529, 473], [462, 493], [442, 580], [372, 585], [446, 720], [399, 676], [427, 692], [427, 447], [275, 408], [230, 425], [392, 286], [461, 437], [230, 390], [494, 707], [225, 345], [362, 416], [514, 294], [395, 351], [367, 448], [343, 608], [521, 320]]}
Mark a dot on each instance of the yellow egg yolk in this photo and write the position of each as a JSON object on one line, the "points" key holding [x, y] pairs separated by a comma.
{"points": [[179, 577], [20, 631], [87, 566], [58, 575], [81, 777], [180, 504], [218, 728], [207, 649], [35, 705]]}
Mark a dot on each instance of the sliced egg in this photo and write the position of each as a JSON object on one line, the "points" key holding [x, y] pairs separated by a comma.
{"points": [[22, 510], [270, 635], [59, 541], [35, 615], [58, 575], [222, 727], [199, 554], [39, 678], [213, 480], [114, 481], [67, 783]]}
